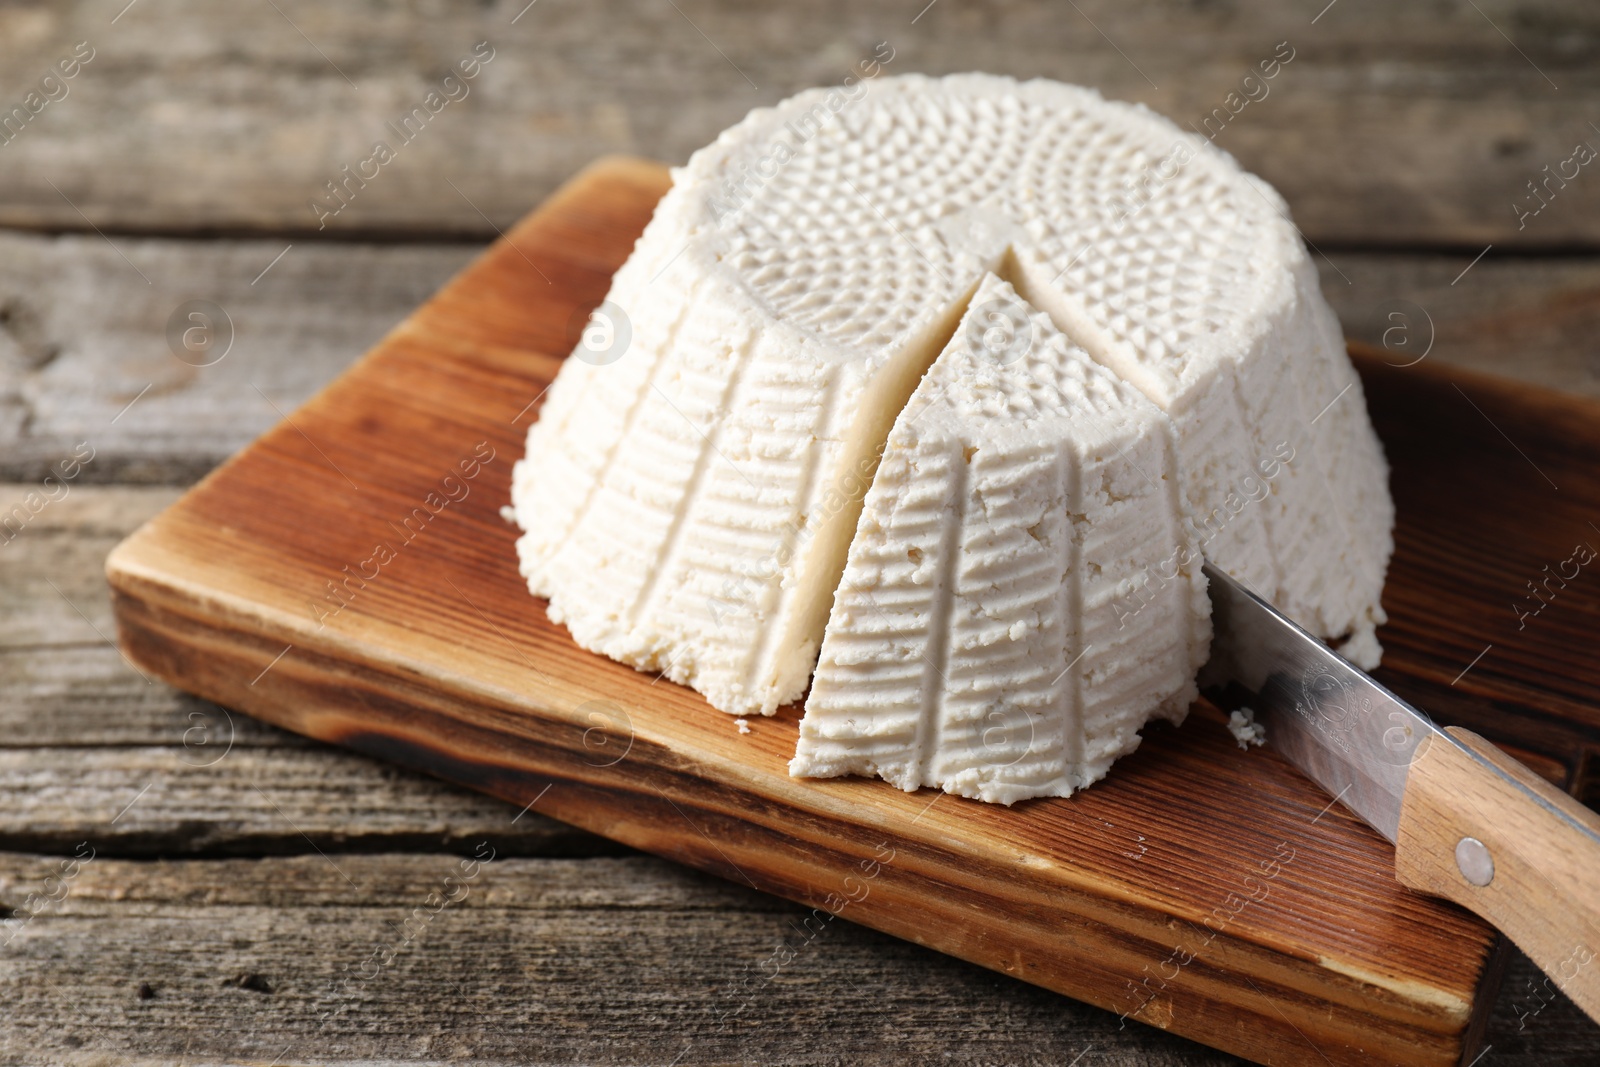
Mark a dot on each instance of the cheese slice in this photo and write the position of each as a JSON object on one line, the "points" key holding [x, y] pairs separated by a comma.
{"points": [[980, 641], [690, 494]]}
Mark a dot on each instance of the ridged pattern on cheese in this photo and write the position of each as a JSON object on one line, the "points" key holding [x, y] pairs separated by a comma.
{"points": [[982, 640], [712, 421], [686, 507]]}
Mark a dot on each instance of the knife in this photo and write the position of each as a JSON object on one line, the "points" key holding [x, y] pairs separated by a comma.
{"points": [[1468, 822]]}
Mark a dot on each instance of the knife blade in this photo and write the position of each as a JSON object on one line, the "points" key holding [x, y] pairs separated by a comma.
{"points": [[1343, 730], [1468, 822]]}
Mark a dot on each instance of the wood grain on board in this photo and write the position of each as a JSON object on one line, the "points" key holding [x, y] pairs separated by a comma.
{"points": [[1393, 125], [1284, 912]]}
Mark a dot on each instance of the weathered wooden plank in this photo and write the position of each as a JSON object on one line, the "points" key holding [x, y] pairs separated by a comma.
{"points": [[52, 560], [82, 733], [1393, 124], [62, 682], [85, 695], [624, 960], [207, 798], [87, 367], [551, 961], [1528, 318], [81, 335]]}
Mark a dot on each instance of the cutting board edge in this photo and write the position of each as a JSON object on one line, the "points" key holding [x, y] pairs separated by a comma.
{"points": [[1306, 993]]}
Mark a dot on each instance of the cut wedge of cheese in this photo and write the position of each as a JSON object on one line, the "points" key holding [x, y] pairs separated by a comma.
{"points": [[694, 479], [982, 640]]}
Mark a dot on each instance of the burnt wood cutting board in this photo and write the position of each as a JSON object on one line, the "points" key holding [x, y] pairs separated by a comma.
{"points": [[350, 577]]}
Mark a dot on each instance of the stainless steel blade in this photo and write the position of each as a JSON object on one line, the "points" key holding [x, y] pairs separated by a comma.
{"points": [[1345, 731]]}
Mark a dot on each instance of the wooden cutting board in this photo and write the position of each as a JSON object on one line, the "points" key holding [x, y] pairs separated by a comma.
{"points": [[350, 577]]}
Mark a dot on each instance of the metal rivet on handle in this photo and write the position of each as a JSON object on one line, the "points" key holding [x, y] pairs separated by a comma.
{"points": [[1474, 861]]}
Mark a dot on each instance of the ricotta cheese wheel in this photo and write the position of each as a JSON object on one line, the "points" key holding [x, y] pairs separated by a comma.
{"points": [[695, 477], [979, 641]]}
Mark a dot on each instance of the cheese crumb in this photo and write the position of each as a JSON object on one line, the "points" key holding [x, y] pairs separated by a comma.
{"points": [[1245, 730], [743, 725]]}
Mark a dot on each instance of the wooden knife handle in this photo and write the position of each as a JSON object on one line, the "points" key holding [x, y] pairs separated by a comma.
{"points": [[1479, 828]]}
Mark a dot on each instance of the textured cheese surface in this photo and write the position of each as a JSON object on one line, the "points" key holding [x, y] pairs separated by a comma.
{"points": [[981, 640], [687, 504]]}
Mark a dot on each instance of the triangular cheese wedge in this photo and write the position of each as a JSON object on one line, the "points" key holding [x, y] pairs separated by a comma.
{"points": [[985, 639]]}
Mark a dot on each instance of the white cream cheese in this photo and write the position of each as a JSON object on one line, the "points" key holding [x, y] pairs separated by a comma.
{"points": [[688, 505]]}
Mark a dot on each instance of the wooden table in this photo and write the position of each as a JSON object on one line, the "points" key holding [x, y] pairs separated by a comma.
{"points": [[255, 897]]}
